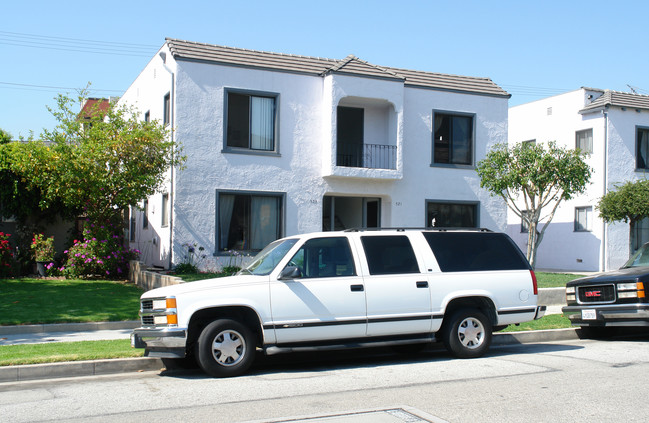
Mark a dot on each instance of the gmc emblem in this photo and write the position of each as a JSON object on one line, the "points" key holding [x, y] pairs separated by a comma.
{"points": [[590, 294]]}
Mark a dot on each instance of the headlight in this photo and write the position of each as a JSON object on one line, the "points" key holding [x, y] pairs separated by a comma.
{"points": [[627, 286], [570, 290]]}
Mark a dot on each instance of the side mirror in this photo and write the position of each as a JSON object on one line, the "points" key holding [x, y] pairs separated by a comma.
{"points": [[290, 272]]}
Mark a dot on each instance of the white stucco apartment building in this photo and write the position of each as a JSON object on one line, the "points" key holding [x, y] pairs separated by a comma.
{"points": [[614, 128], [280, 144]]}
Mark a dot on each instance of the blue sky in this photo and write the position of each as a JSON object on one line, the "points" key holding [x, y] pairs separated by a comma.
{"points": [[532, 49]]}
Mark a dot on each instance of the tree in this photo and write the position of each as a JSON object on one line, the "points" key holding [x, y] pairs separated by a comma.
{"points": [[98, 164], [628, 203], [543, 176]]}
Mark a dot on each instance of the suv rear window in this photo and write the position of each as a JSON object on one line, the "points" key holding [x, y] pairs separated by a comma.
{"points": [[389, 255], [475, 251]]}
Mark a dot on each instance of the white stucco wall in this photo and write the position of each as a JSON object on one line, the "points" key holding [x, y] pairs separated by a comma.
{"points": [[305, 169], [612, 161]]}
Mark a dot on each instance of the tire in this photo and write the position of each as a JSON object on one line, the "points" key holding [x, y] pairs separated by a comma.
{"points": [[225, 348], [467, 334]]}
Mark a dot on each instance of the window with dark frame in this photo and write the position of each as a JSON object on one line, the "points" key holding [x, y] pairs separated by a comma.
{"points": [[248, 221], [251, 121], [166, 109], [132, 226], [147, 116], [453, 139], [145, 214], [584, 140], [642, 148], [451, 215], [525, 225], [583, 219]]}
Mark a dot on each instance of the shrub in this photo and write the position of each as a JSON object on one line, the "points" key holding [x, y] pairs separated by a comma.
{"points": [[99, 254], [192, 259], [6, 255], [43, 248]]}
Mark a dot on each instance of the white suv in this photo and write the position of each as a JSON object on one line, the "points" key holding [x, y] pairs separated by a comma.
{"points": [[346, 289]]}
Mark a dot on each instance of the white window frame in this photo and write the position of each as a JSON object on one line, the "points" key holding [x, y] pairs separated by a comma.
{"points": [[584, 219]]}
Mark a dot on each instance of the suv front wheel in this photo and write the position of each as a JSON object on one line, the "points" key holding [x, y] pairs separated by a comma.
{"points": [[467, 333], [225, 348]]}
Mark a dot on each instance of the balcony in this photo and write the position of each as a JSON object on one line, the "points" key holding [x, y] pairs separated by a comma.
{"points": [[368, 156]]}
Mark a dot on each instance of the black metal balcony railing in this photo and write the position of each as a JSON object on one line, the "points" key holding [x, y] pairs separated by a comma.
{"points": [[369, 156]]}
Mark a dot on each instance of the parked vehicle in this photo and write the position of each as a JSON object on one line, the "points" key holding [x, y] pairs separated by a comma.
{"points": [[615, 298], [346, 289]]}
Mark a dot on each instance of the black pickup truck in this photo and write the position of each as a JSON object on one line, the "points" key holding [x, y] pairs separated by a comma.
{"points": [[615, 298]]}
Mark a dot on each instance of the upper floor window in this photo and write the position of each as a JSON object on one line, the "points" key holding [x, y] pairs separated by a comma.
{"points": [[147, 116], [642, 148], [166, 109], [525, 224], [165, 210], [325, 258], [453, 139], [584, 140], [251, 121], [583, 219], [248, 221]]}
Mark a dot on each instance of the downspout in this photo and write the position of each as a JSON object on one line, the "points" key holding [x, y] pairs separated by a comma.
{"points": [[172, 102], [605, 190]]}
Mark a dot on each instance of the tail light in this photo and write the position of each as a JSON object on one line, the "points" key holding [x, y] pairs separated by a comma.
{"points": [[534, 283]]}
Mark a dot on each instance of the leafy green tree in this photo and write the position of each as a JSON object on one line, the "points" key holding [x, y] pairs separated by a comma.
{"points": [[5, 137], [628, 203], [542, 175], [100, 163]]}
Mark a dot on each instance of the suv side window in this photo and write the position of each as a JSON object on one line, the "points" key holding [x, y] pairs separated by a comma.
{"points": [[389, 255], [324, 258], [474, 251]]}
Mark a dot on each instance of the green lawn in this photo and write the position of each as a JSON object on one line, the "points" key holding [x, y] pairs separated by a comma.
{"points": [[12, 355], [32, 301], [554, 280], [551, 321]]}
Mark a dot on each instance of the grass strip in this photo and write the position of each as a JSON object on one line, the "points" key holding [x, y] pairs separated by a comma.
{"points": [[12, 355], [554, 280], [32, 301], [551, 321]]}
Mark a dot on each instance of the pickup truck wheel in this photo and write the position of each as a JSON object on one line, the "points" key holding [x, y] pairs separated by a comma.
{"points": [[225, 348], [467, 334]]}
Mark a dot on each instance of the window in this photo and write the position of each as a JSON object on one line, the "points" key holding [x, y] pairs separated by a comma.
{"points": [[584, 140], [349, 135], [166, 109], [642, 148], [325, 257], [583, 219], [248, 221], [453, 139], [475, 251], [145, 214], [389, 255], [251, 121], [451, 215], [147, 116], [132, 225], [525, 226], [640, 233], [528, 143], [165, 210]]}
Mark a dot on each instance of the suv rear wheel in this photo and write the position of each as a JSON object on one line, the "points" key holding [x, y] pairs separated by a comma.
{"points": [[467, 334], [225, 348]]}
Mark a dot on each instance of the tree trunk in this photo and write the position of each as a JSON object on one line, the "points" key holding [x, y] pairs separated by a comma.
{"points": [[532, 235]]}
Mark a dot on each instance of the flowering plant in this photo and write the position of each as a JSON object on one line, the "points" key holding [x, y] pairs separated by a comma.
{"points": [[6, 256], [43, 247], [234, 263], [99, 254], [192, 259]]}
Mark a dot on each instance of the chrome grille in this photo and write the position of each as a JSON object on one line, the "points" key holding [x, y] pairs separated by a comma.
{"points": [[596, 294], [147, 304], [147, 320]]}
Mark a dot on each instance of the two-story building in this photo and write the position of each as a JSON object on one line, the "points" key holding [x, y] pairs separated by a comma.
{"points": [[613, 128], [280, 144]]}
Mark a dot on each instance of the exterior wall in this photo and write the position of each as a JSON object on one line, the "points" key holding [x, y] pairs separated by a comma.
{"points": [[305, 169], [605, 247]]}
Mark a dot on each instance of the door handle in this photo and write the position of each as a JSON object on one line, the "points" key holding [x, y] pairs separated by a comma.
{"points": [[357, 288], [422, 284]]}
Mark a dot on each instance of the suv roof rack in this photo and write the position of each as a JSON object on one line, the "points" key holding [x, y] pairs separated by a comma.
{"points": [[430, 228]]}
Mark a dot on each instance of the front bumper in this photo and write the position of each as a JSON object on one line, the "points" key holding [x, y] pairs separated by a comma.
{"points": [[165, 343], [608, 315]]}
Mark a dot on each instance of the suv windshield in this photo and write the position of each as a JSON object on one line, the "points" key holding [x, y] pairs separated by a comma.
{"points": [[267, 259], [639, 259]]}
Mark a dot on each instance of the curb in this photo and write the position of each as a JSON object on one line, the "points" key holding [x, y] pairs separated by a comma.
{"points": [[141, 364], [68, 327]]}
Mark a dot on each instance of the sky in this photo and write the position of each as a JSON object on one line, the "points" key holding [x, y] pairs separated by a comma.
{"points": [[532, 49]]}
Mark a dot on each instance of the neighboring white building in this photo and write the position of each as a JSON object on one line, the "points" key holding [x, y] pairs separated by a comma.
{"points": [[614, 128], [280, 144]]}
